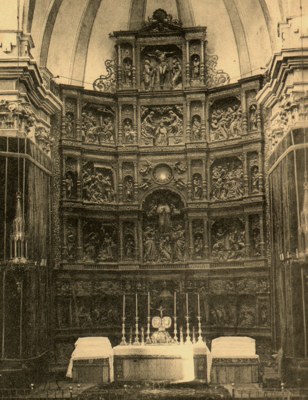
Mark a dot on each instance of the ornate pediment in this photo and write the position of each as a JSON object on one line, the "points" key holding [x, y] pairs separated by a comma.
{"points": [[161, 22]]}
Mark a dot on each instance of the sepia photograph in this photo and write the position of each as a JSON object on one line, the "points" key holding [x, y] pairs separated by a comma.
{"points": [[153, 199]]}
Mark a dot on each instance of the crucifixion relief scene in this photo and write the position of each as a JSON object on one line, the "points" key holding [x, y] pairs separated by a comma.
{"points": [[154, 199]]}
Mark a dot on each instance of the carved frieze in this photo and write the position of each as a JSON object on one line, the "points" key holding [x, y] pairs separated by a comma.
{"points": [[228, 239], [162, 126], [100, 241], [225, 119], [98, 124], [227, 179], [98, 183]]}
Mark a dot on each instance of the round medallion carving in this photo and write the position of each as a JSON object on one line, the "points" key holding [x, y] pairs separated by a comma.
{"points": [[162, 174]]}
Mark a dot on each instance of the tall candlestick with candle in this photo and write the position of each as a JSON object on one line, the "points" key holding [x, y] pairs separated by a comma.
{"points": [[175, 331], [136, 341], [200, 340], [148, 339], [123, 340], [188, 339]]}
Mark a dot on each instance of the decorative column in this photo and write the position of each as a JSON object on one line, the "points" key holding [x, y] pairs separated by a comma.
{"points": [[187, 64], [204, 194], [207, 126], [203, 130], [63, 177], [79, 179], [202, 66], [139, 227], [121, 239], [188, 130], [262, 243], [260, 162], [136, 239], [191, 240], [247, 236], [134, 66], [120, 183], [189, 179], [135, 180], [119, 66], [206, 238], [244, 112], [80, 240], [63, 127], [64, 247], [120, 124], [245, 174], [78, 117], [135, 121], [210, 161]]}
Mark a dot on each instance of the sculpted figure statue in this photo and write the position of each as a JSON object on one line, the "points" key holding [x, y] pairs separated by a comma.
{"points": [[148, 75], [150, 252], [161, 135]]}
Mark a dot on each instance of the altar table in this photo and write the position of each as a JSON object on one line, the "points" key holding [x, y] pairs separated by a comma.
{"points": [[164, 362]]}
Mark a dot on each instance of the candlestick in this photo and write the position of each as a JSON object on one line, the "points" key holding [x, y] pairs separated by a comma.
{"points": [[131, 336], [149, 306], [148, 339], [198, 305], [181, 335], [200, 340], [123, 340], [174, 305], [175, 331], [188, 339], [187, 304], [142, 336], [193, 336], [136, 305], [136, 341], [124, 305]]}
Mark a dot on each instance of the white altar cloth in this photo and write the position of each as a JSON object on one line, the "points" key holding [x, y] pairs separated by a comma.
{"points": [[91, 348], [166, 362], [234, 347]]}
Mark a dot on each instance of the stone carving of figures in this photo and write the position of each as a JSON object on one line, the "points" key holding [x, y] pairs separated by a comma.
{"points": [[246, 316], [218, 315], [165, 248], [179, 243], [197, 187], [107, 132], [129, 133], [69, 124], [228, 243], [196, 128], [90, 244], [226, 122], [129, 188], [69, 185], [89, 127], [161, 135], [256, 242], [148, 126], [176, 72], [150, 251], [195, 66], [253, 117], [148, 75], [98, 187], [162, 68], [174, 123], [127, 71], [164, 221], [198, 245], [129, 247], [227, 181], [71, 242], [106, 250], [255, 179]]}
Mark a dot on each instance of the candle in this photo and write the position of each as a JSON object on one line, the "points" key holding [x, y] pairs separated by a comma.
{"points": [[136, 305], [148, 304], [174, 303], [187, 304], [198, 305], [123, 305]]}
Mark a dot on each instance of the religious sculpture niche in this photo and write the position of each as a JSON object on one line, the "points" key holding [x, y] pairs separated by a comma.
{"points": [[247, 313], [162, 126], [98, 183], [70, 178], [129, 244], [129, 134], [195, 66], [128, 188], [252, 117], [127, 72], [98, 125], [163, 227], [69, 119], [161, 67], [198, 238], [227, 179], [197, 187], [228, 239], [100, 241], [71, 240], [225, 119], [196, 133], [255, 236], [223, 311]]}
